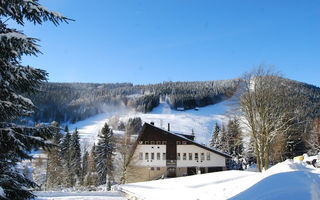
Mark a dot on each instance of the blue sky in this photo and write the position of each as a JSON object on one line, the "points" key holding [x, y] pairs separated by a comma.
{"points": [[151, 41]]}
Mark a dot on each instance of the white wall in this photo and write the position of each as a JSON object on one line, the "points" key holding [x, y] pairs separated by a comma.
{"points": [[216, 160], [149, 149]]}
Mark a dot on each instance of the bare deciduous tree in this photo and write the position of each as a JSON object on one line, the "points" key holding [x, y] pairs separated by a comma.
{"points": [[264, 106]]}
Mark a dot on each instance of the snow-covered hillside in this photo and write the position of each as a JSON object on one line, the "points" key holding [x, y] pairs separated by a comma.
{"points": [[200, 121], [286, 180]]}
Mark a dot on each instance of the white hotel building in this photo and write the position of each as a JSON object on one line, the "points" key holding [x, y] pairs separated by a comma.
{"points": [[160, 153]]}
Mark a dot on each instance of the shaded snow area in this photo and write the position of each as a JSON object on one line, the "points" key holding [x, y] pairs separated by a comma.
{"points": [[79, 196], [286, 180], [201, 121]]}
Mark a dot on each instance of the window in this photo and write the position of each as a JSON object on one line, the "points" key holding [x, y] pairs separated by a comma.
{"points": [[196, 156], [152, 156], [190, 156], [208, 155], [140, 156], [164, 156], [202, 156], [146, 142], [164, 142], [152, 142], [158, 168], [158, 156], [146, 156], [178, 142], [184, 156], [178, 156], [184, 142], [152, 168], [158, 142]]}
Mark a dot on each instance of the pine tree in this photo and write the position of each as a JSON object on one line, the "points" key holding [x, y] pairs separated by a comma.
{"points": [[234, 138], [16, 80], [223, 144], [85, 166], [66, 160], [91, 178], [214, 141], [54, 165], [234, 144], [75, 156], [104, 153]]}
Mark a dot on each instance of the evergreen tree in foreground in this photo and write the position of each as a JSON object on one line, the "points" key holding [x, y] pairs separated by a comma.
{"points": [[75, 156], [16, 80], [91, 178], [66, 159], [85, 166], [54, 165], [104, 153]]}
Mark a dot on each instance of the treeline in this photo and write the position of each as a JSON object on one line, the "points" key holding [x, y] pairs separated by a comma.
{"points": [[105, 163], [67, 167], [71, 102]]}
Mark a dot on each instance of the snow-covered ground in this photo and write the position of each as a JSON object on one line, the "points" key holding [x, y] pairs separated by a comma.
{"points": [[201, 121], [286, 180], [79, 196]]}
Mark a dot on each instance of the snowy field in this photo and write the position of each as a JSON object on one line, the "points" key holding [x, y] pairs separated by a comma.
{"points": [[79, 196], [201, 121], [285, 180]]}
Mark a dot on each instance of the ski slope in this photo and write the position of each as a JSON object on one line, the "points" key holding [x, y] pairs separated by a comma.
{"points": [[201, 121], [286, 180]]}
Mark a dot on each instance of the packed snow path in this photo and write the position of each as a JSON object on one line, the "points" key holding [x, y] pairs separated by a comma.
{"points": [[79, 196]]}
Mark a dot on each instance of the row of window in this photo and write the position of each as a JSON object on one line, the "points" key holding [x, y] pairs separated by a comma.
{"points": [[157, 156], [190, 156], [153, 142], [152, 156], [160, 142]]}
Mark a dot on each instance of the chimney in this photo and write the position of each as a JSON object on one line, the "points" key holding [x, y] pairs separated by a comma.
{"points": [[168, 126], [152, 123]]}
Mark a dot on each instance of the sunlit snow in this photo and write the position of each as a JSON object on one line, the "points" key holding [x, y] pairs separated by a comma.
{"points": [[201, 121], [286, 180]]}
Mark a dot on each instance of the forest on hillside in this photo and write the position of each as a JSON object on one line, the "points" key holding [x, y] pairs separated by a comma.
{"points": [[71, 102]]}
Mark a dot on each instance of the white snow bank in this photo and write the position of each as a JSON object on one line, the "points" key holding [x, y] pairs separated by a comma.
{"points": [[289, 166], [286, 180], [286, 185]]}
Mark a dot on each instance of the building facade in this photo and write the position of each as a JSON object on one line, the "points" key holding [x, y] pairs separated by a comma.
{"points": [[160, 153]]}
